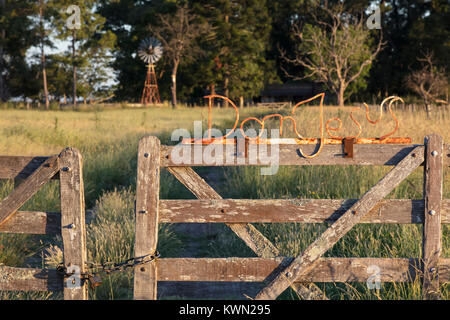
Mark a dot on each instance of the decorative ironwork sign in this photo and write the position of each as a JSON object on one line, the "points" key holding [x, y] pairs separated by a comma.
{"points": [[327, 127]]}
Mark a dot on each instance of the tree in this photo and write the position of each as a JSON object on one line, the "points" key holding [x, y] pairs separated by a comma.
{"points": [[16, 37], [237, 62], [409, 27], [234, 59], [59, 73], [336, 50], [95, 72], [129, 20], [429, 82], [285, 14], [84, 26], [178, 33], [43, 42], [2, 46]]}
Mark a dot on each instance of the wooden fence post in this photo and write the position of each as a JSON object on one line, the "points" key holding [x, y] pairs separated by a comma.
{"points": [[73, 222], [147, 206], [433, 176]]}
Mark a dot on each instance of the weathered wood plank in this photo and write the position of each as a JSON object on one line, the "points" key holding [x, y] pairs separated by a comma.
{"points": [[28, 188], [207, 290], [306, 261], [296, 141], [28, 279], [23, 166], [33, 222], [147, 216], [262, 269], [401, 211], [19, 167], [247, 232], [238, 270], [73, 222], [432, 233], [364, 154]]}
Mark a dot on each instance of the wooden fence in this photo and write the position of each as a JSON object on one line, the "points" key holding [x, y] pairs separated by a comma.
{"points": [[412, 107], [269, 267], [299, 273], [70, 222]]}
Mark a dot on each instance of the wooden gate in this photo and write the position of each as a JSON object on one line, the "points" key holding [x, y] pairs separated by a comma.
{"points": [[70, 222], [299, 273]]}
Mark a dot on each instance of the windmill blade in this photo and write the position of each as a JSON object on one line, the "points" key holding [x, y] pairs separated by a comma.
{"points": [[150, 50]]}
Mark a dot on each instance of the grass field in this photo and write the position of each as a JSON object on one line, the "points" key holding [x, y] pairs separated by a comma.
{"points": [[107, 139]]}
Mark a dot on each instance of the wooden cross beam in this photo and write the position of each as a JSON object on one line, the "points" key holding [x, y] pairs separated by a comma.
{"points": [[17, 198], [247, 232], [308, 259]]}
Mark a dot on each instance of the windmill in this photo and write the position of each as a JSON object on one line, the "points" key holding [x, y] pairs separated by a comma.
{"points": [[150, 51]]}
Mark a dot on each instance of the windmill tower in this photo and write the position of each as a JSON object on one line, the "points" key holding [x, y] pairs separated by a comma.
{"points": [[150, 51]]}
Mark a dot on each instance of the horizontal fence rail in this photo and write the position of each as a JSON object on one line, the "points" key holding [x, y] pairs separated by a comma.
{"points": [[392, 211], [262, 269], [33, 222], [30, 279], [395, 211], [241, 270], [364, 154], [20, 167]]}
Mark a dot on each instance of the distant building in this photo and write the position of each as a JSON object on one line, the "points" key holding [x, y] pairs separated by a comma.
{"points": [[291, 92]]}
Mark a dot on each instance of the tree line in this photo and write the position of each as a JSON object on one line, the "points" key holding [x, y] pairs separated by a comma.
{"points": [[229, 47]]}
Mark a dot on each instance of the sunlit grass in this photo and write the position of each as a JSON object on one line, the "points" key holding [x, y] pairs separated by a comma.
{"points": [[108, 138]]}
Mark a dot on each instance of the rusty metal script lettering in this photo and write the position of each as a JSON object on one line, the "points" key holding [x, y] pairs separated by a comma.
{"points": [[334, 139]]}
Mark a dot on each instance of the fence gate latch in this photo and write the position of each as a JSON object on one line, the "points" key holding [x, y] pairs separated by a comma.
{"points": [[348, 147]]}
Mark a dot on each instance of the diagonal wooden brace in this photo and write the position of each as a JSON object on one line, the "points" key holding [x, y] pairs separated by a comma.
{"points": [[16, 199], [247, 232], [308, 259]]}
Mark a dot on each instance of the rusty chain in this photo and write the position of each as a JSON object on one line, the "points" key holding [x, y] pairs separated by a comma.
{"points": [[95, 269]]}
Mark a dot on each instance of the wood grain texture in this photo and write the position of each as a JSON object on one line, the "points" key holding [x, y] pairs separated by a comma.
{"points": [[432, 233], [247, 232], [397, 211], [263, 269], [147, 210], [33, 222], [28, 279], [239, 270], [207, 290], [364, 154], [28, 188], [19, 167], [73, 220], [306, 261], [22, 166]]}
